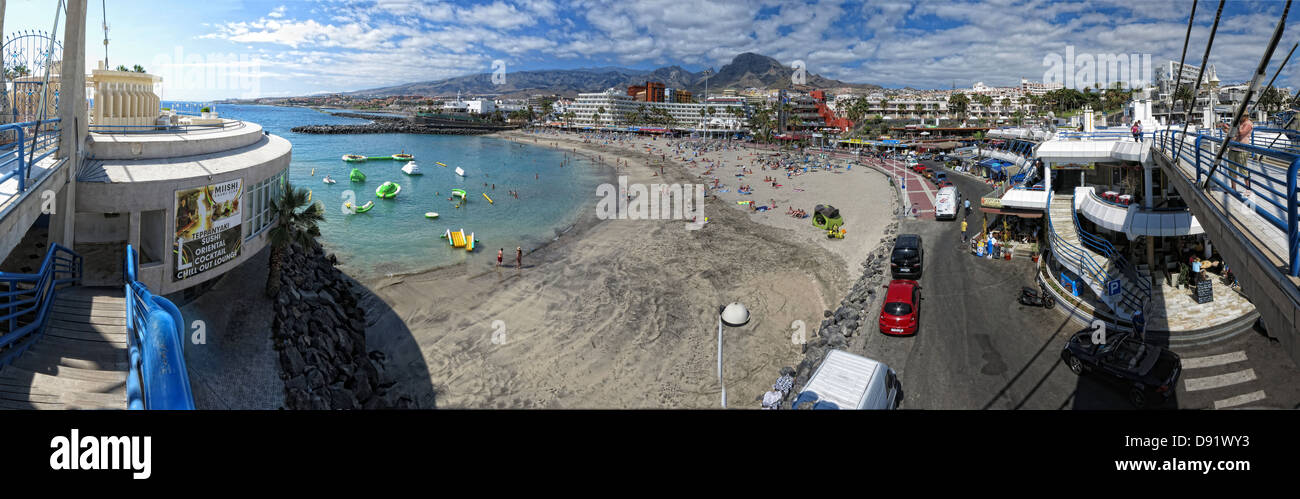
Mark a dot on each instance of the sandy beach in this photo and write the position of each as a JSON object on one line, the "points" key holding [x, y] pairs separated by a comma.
{"points": [[622, 313]]}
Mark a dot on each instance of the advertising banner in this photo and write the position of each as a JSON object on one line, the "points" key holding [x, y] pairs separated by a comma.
{"points": [[207, 226]]}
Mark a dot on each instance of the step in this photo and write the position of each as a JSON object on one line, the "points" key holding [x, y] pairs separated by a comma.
{"points": [[79, 349], [90, 319], [89, 309], [84, 326], [114, 338], [112, 361], [13, 375], [42, 366]]}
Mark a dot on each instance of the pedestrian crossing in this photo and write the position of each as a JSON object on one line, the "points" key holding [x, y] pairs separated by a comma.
{"points": [[1232, 386]]}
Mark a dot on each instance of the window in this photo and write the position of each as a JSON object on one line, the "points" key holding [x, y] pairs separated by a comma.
{"points": [[898, 308], [257, 204]]}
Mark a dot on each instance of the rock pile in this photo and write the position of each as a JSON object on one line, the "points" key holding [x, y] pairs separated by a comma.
{"points": [[320, 332], [393, 127], [850, 318]]}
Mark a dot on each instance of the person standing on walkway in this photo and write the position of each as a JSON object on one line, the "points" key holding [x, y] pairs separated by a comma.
{"points": [[963, 230], [1137, 131], [1239, 157]]}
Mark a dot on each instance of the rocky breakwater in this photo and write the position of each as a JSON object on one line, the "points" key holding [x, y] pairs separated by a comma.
{"points": [[850, 319], [320, 332], [393, 127]]}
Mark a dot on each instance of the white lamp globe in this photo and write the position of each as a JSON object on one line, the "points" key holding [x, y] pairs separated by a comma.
{"points": [[735, 315]]}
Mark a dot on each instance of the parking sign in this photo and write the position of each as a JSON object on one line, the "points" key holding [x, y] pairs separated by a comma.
{"points": [[1113, 287]]}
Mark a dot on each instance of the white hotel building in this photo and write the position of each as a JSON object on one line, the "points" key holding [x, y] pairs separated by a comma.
{"points": [[686, 116]]}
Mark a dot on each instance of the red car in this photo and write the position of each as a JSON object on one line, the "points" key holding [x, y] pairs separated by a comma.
{"points": [[901, 313], [945, 183], [918, 168]]}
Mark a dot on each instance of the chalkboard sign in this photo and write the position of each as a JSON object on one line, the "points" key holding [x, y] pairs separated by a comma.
{"points": [[1205, 291]]}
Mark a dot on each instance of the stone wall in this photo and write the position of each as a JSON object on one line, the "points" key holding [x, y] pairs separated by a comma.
{"points": [[320, 331]]}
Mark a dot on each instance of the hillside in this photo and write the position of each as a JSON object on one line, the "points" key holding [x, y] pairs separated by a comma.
{"points": [[744, 71]]}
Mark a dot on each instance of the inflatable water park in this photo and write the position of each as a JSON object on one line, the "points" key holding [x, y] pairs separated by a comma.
{"points": [[357, 158], [388, 190], [458, 239]]}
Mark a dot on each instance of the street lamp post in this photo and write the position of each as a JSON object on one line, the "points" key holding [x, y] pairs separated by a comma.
{"points": [[733, 315]]}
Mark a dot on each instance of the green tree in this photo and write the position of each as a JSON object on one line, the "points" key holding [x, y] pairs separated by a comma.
{"points": [[959, 103], [297, 222], [138, 68]]}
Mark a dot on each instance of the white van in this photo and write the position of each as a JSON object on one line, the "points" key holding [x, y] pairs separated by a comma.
{"points": [[848, 381], [945, 203]]}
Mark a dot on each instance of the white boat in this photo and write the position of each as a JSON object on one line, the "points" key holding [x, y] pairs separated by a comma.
{"points": [[460, 171], [327, 180], [412, 169]]}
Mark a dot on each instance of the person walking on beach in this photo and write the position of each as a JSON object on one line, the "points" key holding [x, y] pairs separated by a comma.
{"points": [[519, 257], [500, 254]]}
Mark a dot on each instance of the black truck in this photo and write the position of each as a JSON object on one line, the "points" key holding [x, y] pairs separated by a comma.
{"points": [[1146, 371]]}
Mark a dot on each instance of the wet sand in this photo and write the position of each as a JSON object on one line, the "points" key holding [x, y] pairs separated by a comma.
{"points": [[622, 313]]}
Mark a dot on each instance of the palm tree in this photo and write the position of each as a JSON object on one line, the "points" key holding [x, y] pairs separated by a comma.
{"points": [[958, 103], [296, 223]]}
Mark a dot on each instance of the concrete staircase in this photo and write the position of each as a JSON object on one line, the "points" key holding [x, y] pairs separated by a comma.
{"points": [[1086, 262], [80, 362]]}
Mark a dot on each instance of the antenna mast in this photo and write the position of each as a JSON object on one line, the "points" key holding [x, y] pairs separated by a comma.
{"points": [[104, 6]]}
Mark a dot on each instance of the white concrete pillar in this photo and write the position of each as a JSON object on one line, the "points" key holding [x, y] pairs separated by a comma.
{"points": [[1146, 187], [133, 230], [72, 112]]}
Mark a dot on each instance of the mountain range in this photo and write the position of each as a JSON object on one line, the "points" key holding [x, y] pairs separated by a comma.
{"points": [[744, 71]]}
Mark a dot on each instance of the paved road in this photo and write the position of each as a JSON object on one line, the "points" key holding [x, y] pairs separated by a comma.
{"points": [[979, 349]]}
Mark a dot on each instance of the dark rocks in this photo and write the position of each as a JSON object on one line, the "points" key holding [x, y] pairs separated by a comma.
{"points": [[320, 330], [852, 317], [395, 127]]}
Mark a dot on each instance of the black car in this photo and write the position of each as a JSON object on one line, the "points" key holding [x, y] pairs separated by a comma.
{"points": [[1146, 371], [905, 260]]}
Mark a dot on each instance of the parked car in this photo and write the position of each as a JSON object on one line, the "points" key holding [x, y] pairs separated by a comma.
{"points": [[907, 257], [1144, 370], [848, 381], [945, 183], [940, 177], [900, 315]]}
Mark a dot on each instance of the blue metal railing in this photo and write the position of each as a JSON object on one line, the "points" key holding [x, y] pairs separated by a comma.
{"points": [[1272, 190], [1103, 135], [16, 158], [27, 298], [158, 378], [1135, 300], [1088, 267]]}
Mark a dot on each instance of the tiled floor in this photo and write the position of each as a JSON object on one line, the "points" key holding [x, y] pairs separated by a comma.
{"points": [[1175, 309]]}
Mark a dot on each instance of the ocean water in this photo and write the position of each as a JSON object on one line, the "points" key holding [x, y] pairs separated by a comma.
{"points": [[395, 236]]}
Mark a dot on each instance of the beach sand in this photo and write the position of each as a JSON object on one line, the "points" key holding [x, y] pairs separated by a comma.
{"points": [[622, 313]]}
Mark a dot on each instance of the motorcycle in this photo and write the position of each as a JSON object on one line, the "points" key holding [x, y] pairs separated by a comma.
{"points": [[1040, 298]]}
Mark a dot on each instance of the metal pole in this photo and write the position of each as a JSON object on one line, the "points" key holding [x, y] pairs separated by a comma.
{"points": [[45, 87], [1254, 84], [720, 381], [1187, 110]]}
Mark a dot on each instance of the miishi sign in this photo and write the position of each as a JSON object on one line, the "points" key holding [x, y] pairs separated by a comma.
{"points": [[207, 227]]}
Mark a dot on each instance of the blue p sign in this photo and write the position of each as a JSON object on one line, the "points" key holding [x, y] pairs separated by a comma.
{"points": [[1113, 287]]}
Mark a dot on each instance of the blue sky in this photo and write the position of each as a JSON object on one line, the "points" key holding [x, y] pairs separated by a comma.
{"points": [[245, 48]]}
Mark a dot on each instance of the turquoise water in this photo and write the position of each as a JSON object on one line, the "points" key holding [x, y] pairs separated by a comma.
{"points": [[395, 236]]}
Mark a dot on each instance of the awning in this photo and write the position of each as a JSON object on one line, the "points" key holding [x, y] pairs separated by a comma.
{"points": [[1012, 212]]}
